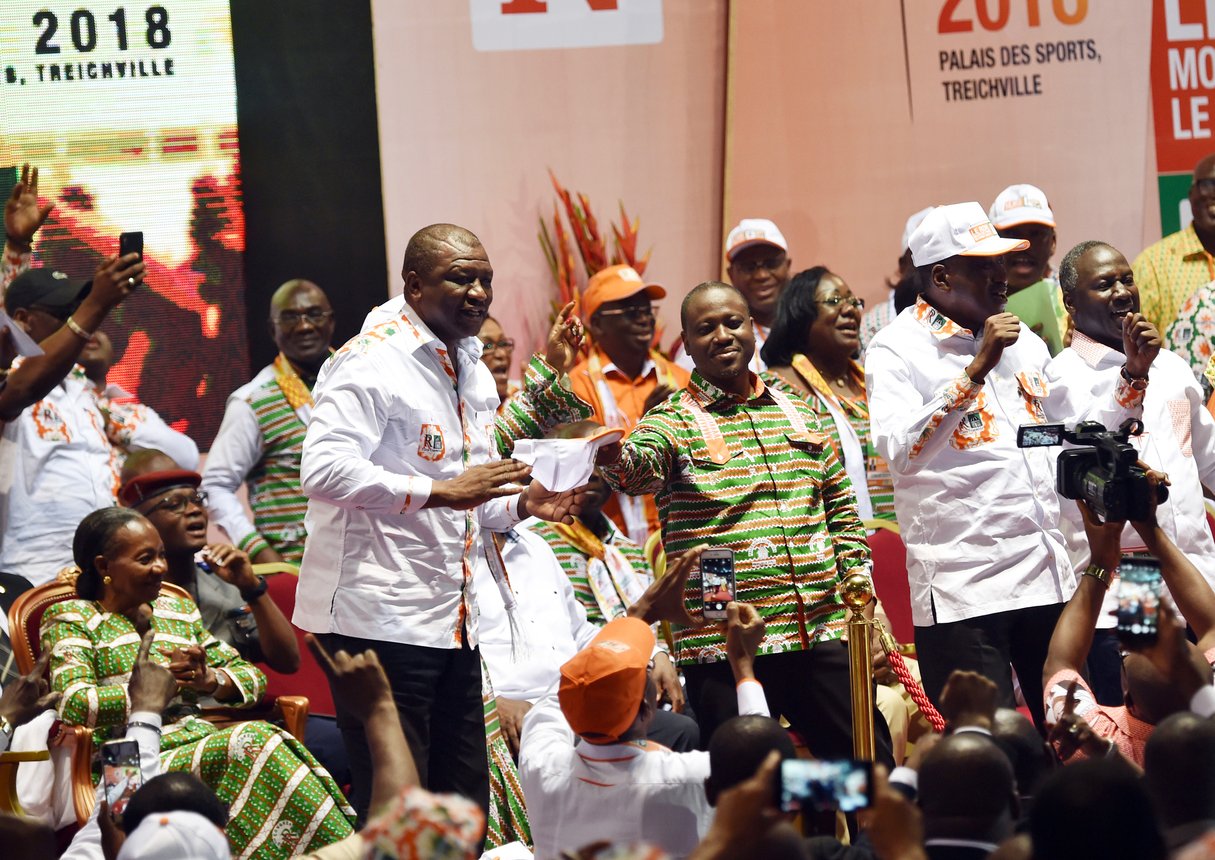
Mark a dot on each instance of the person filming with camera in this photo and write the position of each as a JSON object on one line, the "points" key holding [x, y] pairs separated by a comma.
{"points": [[1178, 437]]}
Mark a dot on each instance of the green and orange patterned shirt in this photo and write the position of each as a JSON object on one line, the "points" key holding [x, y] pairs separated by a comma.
{"points": [[1169, 272], [93, 652], [759, 477]]}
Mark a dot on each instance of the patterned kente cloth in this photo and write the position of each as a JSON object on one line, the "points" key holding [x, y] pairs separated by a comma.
{"points": [[1169, 272], [281, 802], [507, 812], [574, 562], [278, 503], [743, 475]]}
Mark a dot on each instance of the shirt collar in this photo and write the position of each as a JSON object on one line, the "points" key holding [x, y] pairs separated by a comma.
{"points": [[939, 325], [1191, 248], [709, 394], [420, 335], [609, 366], [1091, 351]]}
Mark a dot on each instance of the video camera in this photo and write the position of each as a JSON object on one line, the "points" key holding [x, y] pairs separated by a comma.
{"points": [[1105, 472]]}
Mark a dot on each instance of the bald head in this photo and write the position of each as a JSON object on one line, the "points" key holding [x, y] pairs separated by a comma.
{"points": [[1032, 760], [1179, 769], [301, 322], [1149, 695], [428, 247], [1202, 199], [967, 789], [739, 747], [283, 295]]}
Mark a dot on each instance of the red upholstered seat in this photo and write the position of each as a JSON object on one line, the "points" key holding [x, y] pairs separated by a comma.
{"points": [[310, 680], [890, 578]]}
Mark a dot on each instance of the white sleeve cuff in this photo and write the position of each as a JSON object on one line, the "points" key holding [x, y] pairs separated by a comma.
{"points": [[1203, 702], [751, 698], [416, 495], [150, 717], [906, 776]]}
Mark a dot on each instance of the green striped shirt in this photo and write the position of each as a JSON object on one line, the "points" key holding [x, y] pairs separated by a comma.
{"points": [[278, 503], [782, 502]]}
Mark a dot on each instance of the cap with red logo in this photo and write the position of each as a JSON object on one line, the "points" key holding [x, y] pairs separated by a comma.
{"points": [[1021, 204], [754, 231], [959, 229]]}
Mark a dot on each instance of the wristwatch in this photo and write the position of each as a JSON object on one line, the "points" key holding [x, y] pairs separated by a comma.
{"points": [[251, 594], [1100, 574], [1139, 383]]}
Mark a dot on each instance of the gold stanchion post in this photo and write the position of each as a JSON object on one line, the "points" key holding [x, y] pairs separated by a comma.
{"points": [[857, 592]]}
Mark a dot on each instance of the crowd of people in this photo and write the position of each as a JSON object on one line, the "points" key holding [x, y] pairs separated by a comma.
{"points": [[503, 581]]}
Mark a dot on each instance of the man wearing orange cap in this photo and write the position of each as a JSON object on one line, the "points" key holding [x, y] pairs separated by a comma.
{"points": [[624, 376], [616, 786]]}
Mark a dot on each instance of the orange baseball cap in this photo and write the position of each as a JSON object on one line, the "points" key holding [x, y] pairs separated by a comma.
{"points": [[613, 283], [602, 686]]}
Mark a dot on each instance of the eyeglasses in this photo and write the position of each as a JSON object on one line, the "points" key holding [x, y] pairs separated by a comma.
{"points": [[292, 319], [506, 344], [178, 504], [750, 267], [637, 313], [1206, 187], [831, 302]]}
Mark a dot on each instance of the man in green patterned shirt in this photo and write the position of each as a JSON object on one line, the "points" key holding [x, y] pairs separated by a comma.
{"points": [[734, 463]]}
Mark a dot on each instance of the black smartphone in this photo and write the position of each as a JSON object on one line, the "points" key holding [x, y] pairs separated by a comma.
{"points": [[120, 772], [810, 784], [716, 582], [1138, 596], [130, 243]]}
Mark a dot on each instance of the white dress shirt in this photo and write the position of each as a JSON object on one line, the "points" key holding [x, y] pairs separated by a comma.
{"points": [[56, 467], [382, 313], [1178, 438], [978, 515], [386, 423], [551, 620], [579, 793], [237, 448]]}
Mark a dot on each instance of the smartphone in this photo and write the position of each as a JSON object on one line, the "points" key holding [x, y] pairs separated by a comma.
{"points": [[130, 243], [716, 582], [120, 772], [810, 784], [1138, 596]]}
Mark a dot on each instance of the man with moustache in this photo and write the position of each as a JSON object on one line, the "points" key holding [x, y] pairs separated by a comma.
{"points": [[261, 439], [733, 463], [758, 264], [401, 468], [949, 383]]}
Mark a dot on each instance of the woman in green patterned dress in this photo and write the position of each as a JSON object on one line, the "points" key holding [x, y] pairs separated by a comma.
{"points": [[811, 353], [281, 801]]}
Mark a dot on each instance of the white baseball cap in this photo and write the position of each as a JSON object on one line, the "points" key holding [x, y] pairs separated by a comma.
{"points": [[176, 835], [1021, 204], [959, 229], [913, 222], [754, 231]]}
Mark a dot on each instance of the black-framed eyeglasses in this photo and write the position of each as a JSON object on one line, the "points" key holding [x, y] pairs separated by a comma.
{"points": [[177, 504], [833, 301], [637, 313], [750, 267], [1205, 187], [292, 319], [506, 344]]}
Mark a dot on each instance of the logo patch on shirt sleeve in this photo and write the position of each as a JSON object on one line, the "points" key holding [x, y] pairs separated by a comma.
{"points": [[430, 442]]}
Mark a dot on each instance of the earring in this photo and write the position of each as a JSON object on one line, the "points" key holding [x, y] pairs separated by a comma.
{"points": [[106, 580]]}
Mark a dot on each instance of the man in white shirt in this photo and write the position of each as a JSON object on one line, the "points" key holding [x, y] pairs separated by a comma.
{"points": [[758, 263], [614, 785], [261, 439], [1178, 436], [401, 469], [949, 382], [553, 627]]}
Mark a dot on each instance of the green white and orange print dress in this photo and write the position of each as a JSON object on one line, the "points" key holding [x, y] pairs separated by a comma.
{"points": [[281, 801]]}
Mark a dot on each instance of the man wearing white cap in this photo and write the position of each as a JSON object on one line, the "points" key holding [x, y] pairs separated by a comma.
{"points": [[758, 263], [949, 383], [902, 292], [1022, 212]]}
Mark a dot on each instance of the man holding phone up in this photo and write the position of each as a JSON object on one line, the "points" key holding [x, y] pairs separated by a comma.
{"points": [[735, 465]]}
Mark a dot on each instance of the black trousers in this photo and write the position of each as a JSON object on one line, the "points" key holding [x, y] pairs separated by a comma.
{"points": [[810, 689], [438, 697], [989, 645]]}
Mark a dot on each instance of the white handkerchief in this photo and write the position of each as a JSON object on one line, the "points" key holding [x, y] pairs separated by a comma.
{"points": [[560, 465], [22, 342]]}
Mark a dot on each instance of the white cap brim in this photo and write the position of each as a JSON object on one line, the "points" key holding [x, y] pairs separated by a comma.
{"points": [[994, 246], [748, 243]]}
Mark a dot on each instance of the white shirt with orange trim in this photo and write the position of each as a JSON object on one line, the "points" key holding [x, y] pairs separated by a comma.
{"points": [[385, 425], [978, 515], [579, 793], [1178, 439]]}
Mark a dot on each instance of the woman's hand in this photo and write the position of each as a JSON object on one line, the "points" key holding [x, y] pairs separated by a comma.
{"points": [[189, 668]]}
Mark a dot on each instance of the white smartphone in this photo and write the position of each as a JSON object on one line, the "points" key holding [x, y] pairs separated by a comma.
{"points": [[717, 586]]}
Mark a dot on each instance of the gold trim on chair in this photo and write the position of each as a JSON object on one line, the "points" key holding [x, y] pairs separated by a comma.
{"points": [[9, 802]]}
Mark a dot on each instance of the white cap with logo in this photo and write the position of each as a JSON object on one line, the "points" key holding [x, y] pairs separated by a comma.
{"points": [[913, 222], [959, 229], [1021, 204], [754, 231]]}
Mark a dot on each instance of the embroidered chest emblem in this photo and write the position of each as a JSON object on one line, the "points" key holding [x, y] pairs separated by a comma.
{"points": [[430, 442]]}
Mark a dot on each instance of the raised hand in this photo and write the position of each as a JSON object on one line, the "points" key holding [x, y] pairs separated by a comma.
{"points": [[231, 565], [1000, 331], [1140, 344], [358, 682], [22, 214], [1072, 732], [152, 687], [663, 600], [29, 695], [969, 699], [744, 632], [564, 340]]}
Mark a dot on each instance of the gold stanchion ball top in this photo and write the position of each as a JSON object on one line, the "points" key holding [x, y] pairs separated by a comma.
{"points": [[857, 591]]}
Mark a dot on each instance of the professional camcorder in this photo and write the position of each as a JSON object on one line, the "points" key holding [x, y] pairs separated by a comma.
{"points": [[1105, 472]]}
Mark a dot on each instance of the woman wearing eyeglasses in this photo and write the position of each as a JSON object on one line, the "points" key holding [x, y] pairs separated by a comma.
{"points": [[281, 801], [811, 352]]}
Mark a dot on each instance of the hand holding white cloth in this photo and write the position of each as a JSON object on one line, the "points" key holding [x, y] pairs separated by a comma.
{"points": [[560, 465]]}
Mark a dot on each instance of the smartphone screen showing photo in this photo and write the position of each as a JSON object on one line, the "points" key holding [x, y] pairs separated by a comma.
{"points": [[120, 772], [1138, 596], [716, 581], [811, 784]]}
